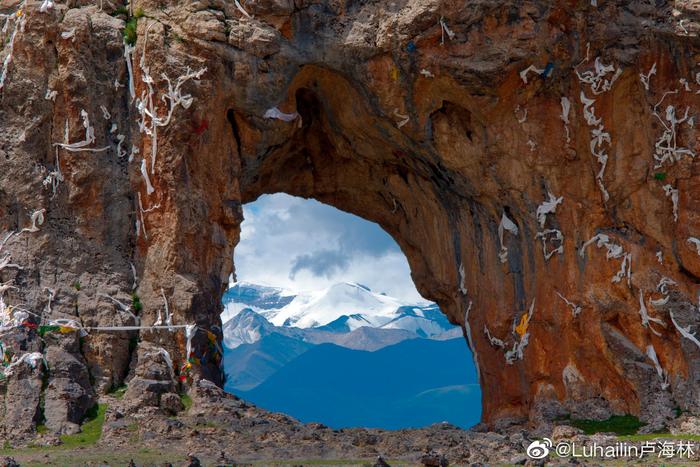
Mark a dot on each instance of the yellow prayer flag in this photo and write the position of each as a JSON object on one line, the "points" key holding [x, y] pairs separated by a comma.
{"points": [[394, 73], [521, 328]]}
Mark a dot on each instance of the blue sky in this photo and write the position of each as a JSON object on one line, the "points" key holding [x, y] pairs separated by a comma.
{"points": [[304, 245]]}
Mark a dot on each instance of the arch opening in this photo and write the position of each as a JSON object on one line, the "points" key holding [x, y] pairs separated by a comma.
{"points": [[323, 305]]}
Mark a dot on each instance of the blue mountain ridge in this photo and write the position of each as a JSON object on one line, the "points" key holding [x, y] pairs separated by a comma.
{"points": [[414, 383], [249, 364]]}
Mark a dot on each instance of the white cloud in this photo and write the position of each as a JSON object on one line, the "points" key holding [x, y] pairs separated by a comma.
{"points": [[305, 245]]}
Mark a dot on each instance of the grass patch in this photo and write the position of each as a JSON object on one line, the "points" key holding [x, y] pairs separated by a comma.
{"points": [[119, 391], [650, 436], [186, 401], [91, 428], [37, 456], [621, 425]]}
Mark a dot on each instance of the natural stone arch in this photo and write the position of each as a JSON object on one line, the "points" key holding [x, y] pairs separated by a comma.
{"points": [[428, 197], [358, 171], [453, 171], [465, 156]]}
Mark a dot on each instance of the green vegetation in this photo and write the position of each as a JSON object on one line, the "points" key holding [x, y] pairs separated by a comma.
{"points": [[118, 391], [133, 429], [136, 303], [76, 285], [660, 176], [91, 432], [626, 428], [186, 401], [121, 10], [92, 455], [91, 429], [130, 31], [678, 411], [650, 436], [131, 25], [618, 424]]}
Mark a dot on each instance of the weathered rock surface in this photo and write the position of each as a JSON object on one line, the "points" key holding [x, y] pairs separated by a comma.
{"points": [[220, 423], [423, 116], [69, 394], [220, 426]]}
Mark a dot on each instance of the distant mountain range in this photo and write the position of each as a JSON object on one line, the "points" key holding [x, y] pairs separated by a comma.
{"points": [[320, 345], [316, 316], [414, 383]]}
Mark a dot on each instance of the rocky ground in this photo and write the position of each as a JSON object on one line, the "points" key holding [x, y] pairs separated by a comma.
{"points": [[219, 429]]}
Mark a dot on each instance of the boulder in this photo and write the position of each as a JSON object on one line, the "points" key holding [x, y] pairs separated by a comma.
{"points": [[69, 393], [171, 403], [565, 432]]}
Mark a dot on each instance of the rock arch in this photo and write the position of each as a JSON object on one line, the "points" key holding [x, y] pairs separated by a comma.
{"points": [[440, 131]]}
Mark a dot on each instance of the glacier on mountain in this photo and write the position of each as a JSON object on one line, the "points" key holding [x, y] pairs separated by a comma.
{"points": [[253, 311]]}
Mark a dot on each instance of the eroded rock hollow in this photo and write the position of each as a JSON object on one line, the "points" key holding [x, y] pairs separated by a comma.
{"points": [[534, 160]]}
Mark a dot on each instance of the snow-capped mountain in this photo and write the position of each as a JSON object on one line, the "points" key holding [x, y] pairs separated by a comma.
{"points": [[268, 330], [258, 298], [318, 308], [342, 307], [246, 327]]}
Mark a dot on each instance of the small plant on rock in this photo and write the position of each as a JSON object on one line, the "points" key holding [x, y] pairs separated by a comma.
{"points": [[136, 303], [186, 401], [130, 28]]}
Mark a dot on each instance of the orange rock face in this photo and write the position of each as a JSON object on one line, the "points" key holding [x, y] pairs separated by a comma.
{"points": [[534, 160]]}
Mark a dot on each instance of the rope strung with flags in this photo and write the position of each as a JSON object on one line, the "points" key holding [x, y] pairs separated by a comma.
{"points": [[67, 326]]}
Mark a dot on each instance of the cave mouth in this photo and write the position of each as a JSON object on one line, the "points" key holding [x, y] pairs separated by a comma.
{"points": [[324, 306]]}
